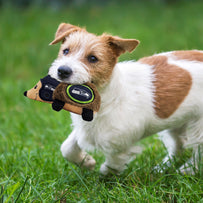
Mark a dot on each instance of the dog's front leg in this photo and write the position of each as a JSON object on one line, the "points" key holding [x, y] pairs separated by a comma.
{"points": [[116, 163], [73, 153]]}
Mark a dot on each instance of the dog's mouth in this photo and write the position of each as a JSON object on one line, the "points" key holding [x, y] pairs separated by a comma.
{"points": [[75, 74], [72, 81], [74, 78]]}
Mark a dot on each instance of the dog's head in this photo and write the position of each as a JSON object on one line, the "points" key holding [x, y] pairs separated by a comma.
{"points": [[84, 57]]}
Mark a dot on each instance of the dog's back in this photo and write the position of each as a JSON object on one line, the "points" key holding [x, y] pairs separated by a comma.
{"points": [[160, 92], [178, 101], [178, 86]]}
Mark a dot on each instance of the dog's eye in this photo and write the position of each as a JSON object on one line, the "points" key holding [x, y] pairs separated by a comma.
{"points": [[65, 51], [92, 59]]}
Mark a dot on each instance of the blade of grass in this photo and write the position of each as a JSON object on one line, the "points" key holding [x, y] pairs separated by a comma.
{"points": [[2, 195], [14, 188], [21, 189], [76, 173]]}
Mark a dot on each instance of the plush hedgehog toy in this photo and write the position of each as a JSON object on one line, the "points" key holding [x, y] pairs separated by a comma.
{"points": [[80, 99]]}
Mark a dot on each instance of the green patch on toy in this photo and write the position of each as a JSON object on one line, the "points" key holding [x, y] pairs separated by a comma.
{"points": [[81, 94], [80, 99]]}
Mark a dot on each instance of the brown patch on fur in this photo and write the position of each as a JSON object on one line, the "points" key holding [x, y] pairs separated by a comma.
{"points": [[101, 71], [120, 45], [189, 55], [172, 85], [109, 48], [63, 31]]}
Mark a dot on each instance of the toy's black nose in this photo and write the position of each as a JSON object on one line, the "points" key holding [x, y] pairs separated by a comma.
{"points": [[25, 93], [64, 72]]}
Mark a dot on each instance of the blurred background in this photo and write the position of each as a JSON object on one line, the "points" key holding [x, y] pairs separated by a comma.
{"points": [[30, 132], [28, 26]]}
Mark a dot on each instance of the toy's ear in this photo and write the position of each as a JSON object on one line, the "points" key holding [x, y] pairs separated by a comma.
{"points": [[34, 92], [63, 31], [120, 45]]}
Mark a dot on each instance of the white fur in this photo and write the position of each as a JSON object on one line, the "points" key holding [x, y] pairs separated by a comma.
{"points": [[127, 115], [79, 69]]}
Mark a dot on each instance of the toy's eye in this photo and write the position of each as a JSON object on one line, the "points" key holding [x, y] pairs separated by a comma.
{"points": [[65, 51], [35, 87], [92, 59]]}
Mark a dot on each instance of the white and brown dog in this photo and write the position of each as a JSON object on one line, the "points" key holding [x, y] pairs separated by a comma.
{"points": [[161, 93]]}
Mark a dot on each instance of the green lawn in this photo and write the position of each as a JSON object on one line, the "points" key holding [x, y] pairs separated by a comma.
{"points": [[32, 168]]}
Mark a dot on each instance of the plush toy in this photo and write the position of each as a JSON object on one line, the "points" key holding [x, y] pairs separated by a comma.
{"points": [[80, 99]]}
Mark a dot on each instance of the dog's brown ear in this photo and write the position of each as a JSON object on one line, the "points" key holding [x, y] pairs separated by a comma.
{"points": [[63, 31], [121, 45]]}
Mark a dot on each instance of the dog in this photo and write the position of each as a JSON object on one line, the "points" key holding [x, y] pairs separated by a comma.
{"points": [[161, 94]]}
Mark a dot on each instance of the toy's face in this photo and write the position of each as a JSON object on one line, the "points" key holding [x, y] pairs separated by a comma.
{"points": [[34, 92], [43, 90]]}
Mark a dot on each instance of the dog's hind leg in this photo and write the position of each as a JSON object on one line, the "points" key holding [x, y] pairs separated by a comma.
{"points": [[73, 153], [195, 140], [195, 163], [173, 141]]}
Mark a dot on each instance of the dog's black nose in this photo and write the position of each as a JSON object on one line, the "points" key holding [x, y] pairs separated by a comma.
{"points": [[25, 93], [64, 71]]}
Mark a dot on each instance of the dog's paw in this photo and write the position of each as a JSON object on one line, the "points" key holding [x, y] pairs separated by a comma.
{"points": [[161, 168], [164, 165], [158, 169], [106, 170], [188, 168], [88, 162]]}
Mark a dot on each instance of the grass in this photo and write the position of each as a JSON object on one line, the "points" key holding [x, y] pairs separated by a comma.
{"points": [[31, 166]]}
